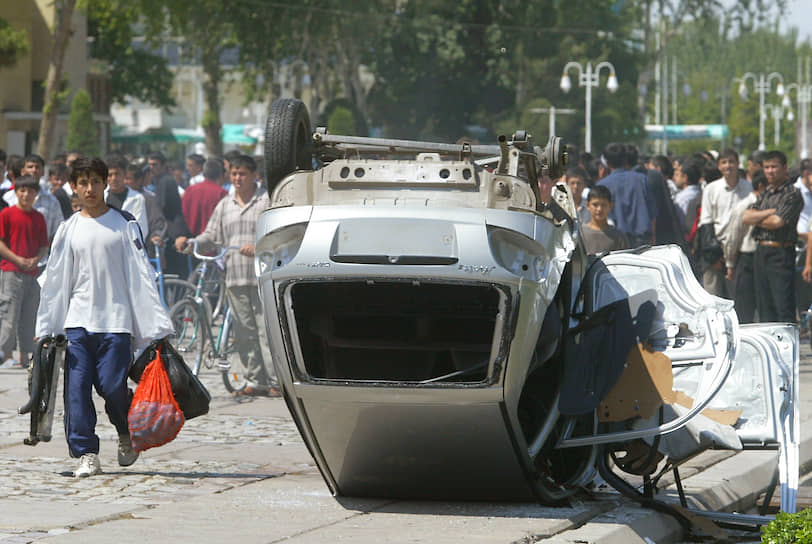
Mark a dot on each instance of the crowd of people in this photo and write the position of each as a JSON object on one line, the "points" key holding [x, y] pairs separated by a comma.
{"points": [[745, 229]]}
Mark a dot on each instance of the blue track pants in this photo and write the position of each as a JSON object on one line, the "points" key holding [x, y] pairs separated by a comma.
{"points": [[100, 360]]}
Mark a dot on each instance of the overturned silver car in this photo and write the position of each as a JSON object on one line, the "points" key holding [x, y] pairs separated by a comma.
{"points": [[438, 333]]}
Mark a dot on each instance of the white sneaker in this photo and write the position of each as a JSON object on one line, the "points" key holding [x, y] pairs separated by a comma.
{"points": [[126, 454], [89, 465], [10, 363]]}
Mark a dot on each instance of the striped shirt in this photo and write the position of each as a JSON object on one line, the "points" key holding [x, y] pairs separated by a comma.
{"points": [[233, 225]]}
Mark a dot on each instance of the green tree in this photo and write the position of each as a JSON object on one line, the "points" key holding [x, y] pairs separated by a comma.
{"points": [[81, 128], [711, 58], [13, 44], [205, 31], [134, 71], [341, 122]]}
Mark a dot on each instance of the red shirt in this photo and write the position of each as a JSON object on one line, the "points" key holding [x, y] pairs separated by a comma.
{"points": [[24, 233], [199, 202]]}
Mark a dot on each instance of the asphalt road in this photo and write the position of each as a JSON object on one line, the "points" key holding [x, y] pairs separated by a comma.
{"points": [[243, 472]]}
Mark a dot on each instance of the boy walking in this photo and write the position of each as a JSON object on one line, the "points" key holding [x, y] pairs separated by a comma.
{"points": [[23, 242], [99, 290], [599, 235]]}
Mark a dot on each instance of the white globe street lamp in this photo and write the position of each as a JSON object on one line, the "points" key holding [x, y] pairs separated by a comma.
{"points": [[803, 94], [777, 112], [762, 84], [589, 78]]}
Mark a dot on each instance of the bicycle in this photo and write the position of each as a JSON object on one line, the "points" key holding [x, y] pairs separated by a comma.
{"points": [[214, 283], [194, 327], [170, 287]]}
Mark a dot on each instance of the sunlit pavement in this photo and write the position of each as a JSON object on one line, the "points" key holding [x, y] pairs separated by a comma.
{"points": [[242, 471]]}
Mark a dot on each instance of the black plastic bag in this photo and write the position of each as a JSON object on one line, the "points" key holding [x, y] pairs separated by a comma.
{"points": [[191, 395]]}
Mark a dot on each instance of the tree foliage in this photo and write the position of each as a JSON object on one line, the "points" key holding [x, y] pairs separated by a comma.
{"points": [[81, 128], [712, 57], [789, 528], [341, 122], [13, 44], [442, 70], [135, 71]]}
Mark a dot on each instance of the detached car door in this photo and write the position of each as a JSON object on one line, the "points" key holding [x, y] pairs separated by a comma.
{"points": [[748, 373]]}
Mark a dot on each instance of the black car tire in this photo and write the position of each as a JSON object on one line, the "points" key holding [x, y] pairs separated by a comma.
{"points": [[288, 140]]}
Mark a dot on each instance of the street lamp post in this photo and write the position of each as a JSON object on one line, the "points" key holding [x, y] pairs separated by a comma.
{"points": [[552, 111], [777, 112], [762, 84], [803, 94], [589, 78]]}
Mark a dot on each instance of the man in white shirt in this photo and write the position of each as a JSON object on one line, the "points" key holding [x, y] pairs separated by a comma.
{"points": [[718, 200], [740, 252], [99, 290], [118, 195]]}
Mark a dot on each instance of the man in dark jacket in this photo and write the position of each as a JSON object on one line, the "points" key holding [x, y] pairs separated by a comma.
{"points": [[634, 210], [666, 225], [166, 190]]}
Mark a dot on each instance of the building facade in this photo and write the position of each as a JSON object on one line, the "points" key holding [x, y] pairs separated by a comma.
{"points": [[22, 91]]}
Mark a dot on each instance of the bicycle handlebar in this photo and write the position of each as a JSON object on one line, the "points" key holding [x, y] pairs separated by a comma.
{"points": [[222, 252]]}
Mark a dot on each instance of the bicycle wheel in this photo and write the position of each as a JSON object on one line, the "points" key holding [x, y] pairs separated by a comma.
{"points": [[231, 366], [176, 289], [190, 326]]}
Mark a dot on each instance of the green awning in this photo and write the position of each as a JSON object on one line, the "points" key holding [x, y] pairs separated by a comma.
{"points": [[231, 134], [687, 132], [236, 134]]}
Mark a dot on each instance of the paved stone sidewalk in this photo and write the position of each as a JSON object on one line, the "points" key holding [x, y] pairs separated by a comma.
{"points": [[215, 452]]}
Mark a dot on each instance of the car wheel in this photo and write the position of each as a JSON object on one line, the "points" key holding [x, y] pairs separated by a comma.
{"points": [[288, 140]]}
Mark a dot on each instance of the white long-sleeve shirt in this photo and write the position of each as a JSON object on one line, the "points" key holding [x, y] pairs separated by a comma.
{"points": [[718, 201], [740, 239], [99, 278], [135, 203]]}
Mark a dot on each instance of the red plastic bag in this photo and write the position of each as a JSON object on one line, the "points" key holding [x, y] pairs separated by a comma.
{"points": [[154, 417]]}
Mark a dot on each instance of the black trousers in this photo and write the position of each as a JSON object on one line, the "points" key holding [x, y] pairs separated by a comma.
{"points": [[775, 283], [744, 293]]}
